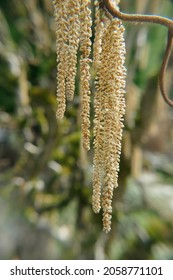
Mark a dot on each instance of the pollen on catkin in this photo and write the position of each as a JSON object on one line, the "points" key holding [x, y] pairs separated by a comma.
{"points": [[60, 13], [73, 44], [109, 106], [85, 49], [73, 32], [99, 27]]}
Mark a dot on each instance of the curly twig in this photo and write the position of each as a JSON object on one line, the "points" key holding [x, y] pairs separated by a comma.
{"points": [[163, 68], [107, 6]]}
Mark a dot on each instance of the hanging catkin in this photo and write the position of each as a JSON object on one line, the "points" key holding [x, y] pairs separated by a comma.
{"points": [[85, 48], [73, 32], [60, 12], [108, 121], [99, 27], [72, 47]]}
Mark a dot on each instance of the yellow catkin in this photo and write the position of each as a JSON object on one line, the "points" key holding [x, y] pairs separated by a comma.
{"points": [[73, 28], [100, 59], [100, 63], [98, 161], [73, 44], [99, 27], [60, 12], [67, 40], [109, 111], [85, 49]]}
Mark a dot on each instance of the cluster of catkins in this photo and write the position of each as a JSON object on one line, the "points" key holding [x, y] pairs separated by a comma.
{"points": [[73, 34]]}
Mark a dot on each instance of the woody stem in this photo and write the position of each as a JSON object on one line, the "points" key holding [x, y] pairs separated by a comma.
{"points": [[137, 17]]}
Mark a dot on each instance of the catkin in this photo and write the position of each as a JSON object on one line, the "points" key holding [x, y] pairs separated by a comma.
{"points": [[85, 49], [73, 44], [99, 27], [60, 12], [73, 31], [108, 120]]}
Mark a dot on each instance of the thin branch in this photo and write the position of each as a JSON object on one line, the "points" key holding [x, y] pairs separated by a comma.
{"points": [[137, 18], [112, 11], [163, 68]]}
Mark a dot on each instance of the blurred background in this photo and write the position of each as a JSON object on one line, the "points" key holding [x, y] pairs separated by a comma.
{"points": [[46, 177]]}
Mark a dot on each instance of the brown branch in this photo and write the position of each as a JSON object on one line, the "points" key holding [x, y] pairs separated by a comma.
{"points": [[109, 8], [163, 68], [135, 17]]}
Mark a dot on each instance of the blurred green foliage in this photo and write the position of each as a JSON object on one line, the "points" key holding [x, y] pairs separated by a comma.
{"points": [[46, 176]]}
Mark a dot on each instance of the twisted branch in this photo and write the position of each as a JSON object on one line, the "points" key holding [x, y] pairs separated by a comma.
{"points": [[112, 11], [163, 68]]}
